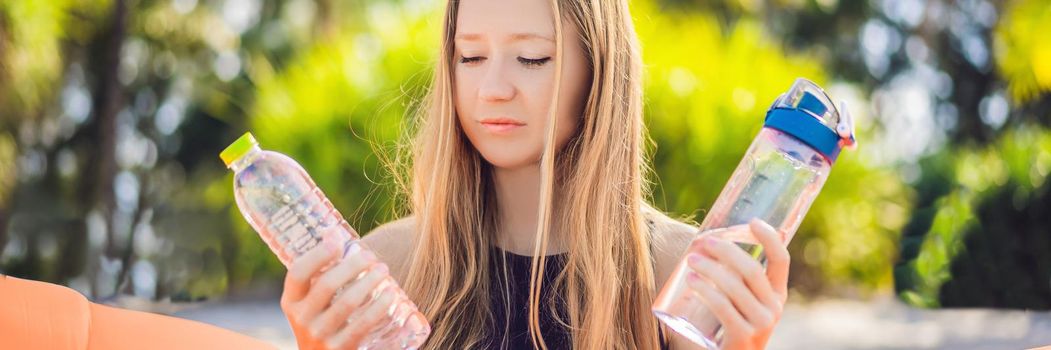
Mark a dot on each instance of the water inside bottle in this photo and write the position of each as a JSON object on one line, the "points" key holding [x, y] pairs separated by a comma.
{"points": [[280, 201], [295, 222], [766, 186], [771, 191]]}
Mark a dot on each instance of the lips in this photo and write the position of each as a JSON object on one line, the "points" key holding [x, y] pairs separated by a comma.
{"points": [[501, 125]]}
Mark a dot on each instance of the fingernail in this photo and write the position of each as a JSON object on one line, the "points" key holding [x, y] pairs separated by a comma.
{"points": [[694, 259], [381, 268], [710, 242], [367, 255], [354, 248], [763, 224]]}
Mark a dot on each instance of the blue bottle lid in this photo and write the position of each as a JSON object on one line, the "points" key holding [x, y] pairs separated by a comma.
{"points": [[810, 118]]}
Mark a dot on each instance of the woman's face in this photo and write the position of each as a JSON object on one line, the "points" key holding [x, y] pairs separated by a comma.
{"points": [[505, 75]]}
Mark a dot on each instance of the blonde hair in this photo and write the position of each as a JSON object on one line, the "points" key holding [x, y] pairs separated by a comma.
{"points": [[608, 279]]}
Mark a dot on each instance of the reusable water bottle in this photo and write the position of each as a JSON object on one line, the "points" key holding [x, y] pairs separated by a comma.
{"points": [[781, 174], [284, 205]]}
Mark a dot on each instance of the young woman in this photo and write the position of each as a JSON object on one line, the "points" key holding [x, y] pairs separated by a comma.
{"points": [[530, 226]]}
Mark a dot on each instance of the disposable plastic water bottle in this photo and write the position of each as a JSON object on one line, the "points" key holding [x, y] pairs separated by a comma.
{"points": [[780, 176], [284, 205]]}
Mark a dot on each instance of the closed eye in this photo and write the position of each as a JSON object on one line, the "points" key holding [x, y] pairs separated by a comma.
{"points": [[471, 59], [526, 61], [534, 62]]}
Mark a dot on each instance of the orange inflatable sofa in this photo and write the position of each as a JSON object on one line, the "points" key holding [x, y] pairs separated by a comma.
{"points": [[38, 315]]}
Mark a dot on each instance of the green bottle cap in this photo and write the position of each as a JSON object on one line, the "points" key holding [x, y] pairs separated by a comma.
{"points": [[238, 149]]}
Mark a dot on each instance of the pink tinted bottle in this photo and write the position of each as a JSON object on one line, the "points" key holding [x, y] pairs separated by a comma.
{"points": [[780, 176]]}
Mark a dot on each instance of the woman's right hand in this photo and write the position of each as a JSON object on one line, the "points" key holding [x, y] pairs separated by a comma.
{"points": [[318, 299]]}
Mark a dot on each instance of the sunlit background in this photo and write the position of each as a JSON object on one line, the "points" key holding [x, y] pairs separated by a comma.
{"points": [[113, 112]]}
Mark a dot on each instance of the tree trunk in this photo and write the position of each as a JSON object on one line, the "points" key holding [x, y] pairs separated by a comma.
{"points": [[97, 185]]}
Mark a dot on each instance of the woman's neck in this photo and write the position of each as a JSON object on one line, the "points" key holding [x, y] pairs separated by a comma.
{"points": [[518, 201]]}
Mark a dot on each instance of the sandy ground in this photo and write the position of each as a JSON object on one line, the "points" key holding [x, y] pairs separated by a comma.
{"points": [[826, 324]]}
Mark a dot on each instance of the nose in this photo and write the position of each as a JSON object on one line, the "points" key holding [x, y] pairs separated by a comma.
{"points": [[495, 87]]}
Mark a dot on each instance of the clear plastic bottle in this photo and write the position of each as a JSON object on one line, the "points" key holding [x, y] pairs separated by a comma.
{"points": [[284, 205], [780, 176]]}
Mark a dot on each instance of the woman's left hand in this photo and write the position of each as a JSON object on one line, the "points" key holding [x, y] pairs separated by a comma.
{"points": [[733, 285]]}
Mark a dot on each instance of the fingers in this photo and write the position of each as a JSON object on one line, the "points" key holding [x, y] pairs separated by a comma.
{"points": [[323, 290], [745, 268], [364, 320], [352, 298], [302, 270], [745, 296], [718, 303], [777, 257], [732, 287]]}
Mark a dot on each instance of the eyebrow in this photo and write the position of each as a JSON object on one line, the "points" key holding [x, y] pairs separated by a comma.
{"points": [[514, 37]]}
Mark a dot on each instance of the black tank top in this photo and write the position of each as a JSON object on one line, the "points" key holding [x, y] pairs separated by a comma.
{"points": [[511, 313]]}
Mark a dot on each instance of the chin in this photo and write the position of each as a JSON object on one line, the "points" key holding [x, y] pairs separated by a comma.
{"points": [[508, 157]]}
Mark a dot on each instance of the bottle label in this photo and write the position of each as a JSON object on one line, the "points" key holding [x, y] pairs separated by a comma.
{"points": [[295, 232]]}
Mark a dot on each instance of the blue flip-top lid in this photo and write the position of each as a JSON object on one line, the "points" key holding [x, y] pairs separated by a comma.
{"points": [[804, 123]]}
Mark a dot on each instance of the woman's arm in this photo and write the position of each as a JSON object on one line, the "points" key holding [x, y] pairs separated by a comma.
{"points": [[39, 315]]}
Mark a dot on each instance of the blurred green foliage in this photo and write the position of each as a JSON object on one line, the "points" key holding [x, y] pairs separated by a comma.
{"points": [[979, 235], [991, 224], [706, 99], [114, 112], [1025, 57]]}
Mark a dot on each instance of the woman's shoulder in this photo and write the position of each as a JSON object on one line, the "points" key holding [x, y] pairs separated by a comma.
{"points": [[669, 239], [393, 244]]}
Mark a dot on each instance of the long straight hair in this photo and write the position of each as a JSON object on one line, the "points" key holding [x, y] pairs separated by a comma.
{"points": [[608, 279]]}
